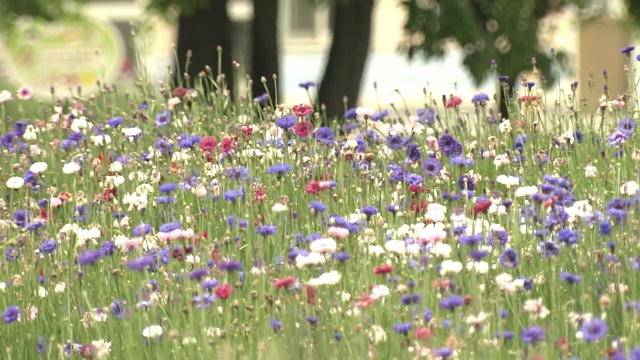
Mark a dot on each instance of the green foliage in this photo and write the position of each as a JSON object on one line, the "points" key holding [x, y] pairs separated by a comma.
{"points": [[49, 10], [502, 30]]}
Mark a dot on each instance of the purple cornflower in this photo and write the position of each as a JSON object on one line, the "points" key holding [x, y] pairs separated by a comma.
{"points": [[413, 152], [480, 98], [570, 278], [306, 85], [317, 206], [509, 258], [465, 182], [627, 125], [594, 330], [210, 284], [279, 169], [369, 210], [533, 335], [163, 118], [48, 246], [11, 314], [142, 229], [617, 137], [266, 230], [341, 256], [431, 166], [567, 236], [402, 328], [470, 240], [115, 121], [325, 135], [231, 265], [627, 50], [142, 263], [449, 145], [451, 302], [275, 324], [117, 308], [549, 249], [89, 257], [478, 255], [169, 227], [461, 161], [286, 122], [198, 274], [312, 320], [167, 188], [21, 217], [443, 353]]}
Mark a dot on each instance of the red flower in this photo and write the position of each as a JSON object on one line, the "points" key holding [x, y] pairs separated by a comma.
{"points": [[528, 98], [418, 207], [313, 187], [259, 194], [179, 92], [364, 301], [454, 101], [385, 269], [208, 143], [311, 294], [481, 206], [224, 291], [417, 188], [214, 256], [302, 110], [225, 145], [423, 333], [246, 130], [303, 129], [286, 282], [109, 194]]}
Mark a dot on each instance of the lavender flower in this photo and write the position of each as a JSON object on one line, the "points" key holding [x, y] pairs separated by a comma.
{"points": [[325, 135], [198, 274], [142, 263], [402, 328], [570, 278], [89, 257], [231, 265], [163, 118], [533, 335], [279, 169], [48, 246], [594, 330], [11, 314], [286, 122]]}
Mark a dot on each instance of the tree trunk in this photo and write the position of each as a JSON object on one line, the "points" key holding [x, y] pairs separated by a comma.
{"points": [[348, 55], [265, 59], [202, 31]]}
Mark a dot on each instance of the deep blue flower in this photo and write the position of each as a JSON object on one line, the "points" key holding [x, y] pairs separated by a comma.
{"points": [[567, 236], [443, 353], [594, 330], [461, 161], [89, 257], [118, 308], [279, 169], [12, 253], [11, 314], [480, 98], [394, 142], [21, 217], [509, 258], [142, 263], [325, 135], [115, 121], [233, 195], [402, 328], [570, 278], [48, 246], [431, 166], [167, 188], [163, 118], [275, 324], [266, 230], [169, 227], [317, 206], [451, 302], [549, 249], [465, 182], [306, 85], [369, 210], [449, 145], [143, 229], [198, 274], [533, 335], [413, 152], [231, 265], [286, 122], [20, 127]]}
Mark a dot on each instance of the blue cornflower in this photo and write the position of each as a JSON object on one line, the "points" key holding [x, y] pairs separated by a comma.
{"points": [[266, 230], [594, 330], [169, 227], [627, 125], [115, 121], [142, 263], [431, 166], [198, 274], [394, 142], [470, 240], [414, 179], [118, 308], [167, 188], [617, 137], [89, 257], [509, 258], [451, 302], [279, 169], [162, 200], [48, 246], [163, 118], [231, 265], [210, 284], [21, 217], [443, 353], [341, 256], [379, 115], [317, 206], [325, 135], [142, 229], [275, 324], [20, 127], [549, 249], [286, 122], [533, 335], [413, 152], [480, 98], [449, 145], [478, 255], [570, 278], [11, 314], [465, 182], [567, 236], [461, 161], [369, 210], [307, 84], [402, 328], [605, 228], [232, 195], [12, 253]]}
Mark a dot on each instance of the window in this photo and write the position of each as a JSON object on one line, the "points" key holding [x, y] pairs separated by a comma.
{"points": [[302, 18]]}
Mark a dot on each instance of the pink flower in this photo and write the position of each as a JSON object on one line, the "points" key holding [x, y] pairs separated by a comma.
{"points": [[302, 110], [324, 185], [431, 234], [25, 92], [338, 232]]}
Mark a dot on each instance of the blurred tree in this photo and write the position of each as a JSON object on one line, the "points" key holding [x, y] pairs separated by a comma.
{"points": [[502, 30], [351, 26], [10, 10]]}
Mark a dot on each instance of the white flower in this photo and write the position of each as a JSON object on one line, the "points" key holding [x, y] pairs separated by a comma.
{"points": [[38, 167], [508, 180], [30, 133], [115, 166], [396, 246], [535, 308], [79, 124], [379, 291], [71, 167], [376, 250], [526, 191], [323, 246], [5, 96], [330, 278], [365, 111], [42, 292], [480, 267], [630, 188], [450, 267], [505, 126], [60, 287], [131, 133], [377, 334], [101, 348], [15, 182], [501, 159], [313, 258], [100, 140], [590, 171], [441, 249], [153, 331], [279, 207]]}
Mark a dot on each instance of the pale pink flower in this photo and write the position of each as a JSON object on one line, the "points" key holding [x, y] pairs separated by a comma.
{"points": [[432, 233], [323, 246], [324, 185], [25, 92], [338, 232], [435, 213], [4, 96], [187, 234]]}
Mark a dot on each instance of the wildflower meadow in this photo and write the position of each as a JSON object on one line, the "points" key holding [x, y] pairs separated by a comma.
{"points": [[179, 221]]}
